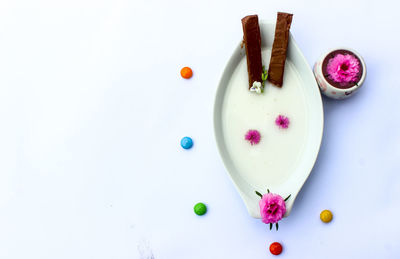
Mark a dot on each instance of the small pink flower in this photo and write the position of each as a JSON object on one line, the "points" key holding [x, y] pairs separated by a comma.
{"points": [[343, 69], [253, 136], [282, 121], [272, 208]]}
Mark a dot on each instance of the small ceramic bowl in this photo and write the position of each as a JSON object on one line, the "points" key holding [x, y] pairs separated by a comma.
{"points": [[334, 90]]}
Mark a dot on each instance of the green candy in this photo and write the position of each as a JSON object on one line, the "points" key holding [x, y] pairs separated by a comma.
{"points": [[200, 209]]}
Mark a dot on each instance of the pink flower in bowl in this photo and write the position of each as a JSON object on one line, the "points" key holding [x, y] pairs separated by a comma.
{"points": [[343, 68], [272, 208]]}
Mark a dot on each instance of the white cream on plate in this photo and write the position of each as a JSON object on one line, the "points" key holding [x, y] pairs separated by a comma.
{"points": [[273, 160]]}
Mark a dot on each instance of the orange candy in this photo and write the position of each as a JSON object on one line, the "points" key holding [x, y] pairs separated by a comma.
{"points": [[186, 72]]}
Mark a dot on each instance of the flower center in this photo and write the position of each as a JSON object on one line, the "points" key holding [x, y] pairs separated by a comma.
{"points": [[344, 66], [272, 208]]}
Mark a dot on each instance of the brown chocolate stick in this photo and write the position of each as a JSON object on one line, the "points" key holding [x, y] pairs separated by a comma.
{"points": [[252, 41], [279, 49]]}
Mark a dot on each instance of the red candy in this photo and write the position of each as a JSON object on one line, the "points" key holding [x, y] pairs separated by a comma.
{"points": [[275, 248]]}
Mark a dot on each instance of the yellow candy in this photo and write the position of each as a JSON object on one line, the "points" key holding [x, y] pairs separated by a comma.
{"points": [[326, 216]]}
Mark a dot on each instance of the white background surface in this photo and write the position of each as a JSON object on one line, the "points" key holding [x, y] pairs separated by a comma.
{"points": [[92, 109]]}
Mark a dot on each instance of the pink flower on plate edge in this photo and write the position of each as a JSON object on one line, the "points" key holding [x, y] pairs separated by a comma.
{"points": [[253, 136], [272, 208], [282, 122]]}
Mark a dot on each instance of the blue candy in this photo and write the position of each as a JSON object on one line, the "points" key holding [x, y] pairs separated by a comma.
{"points": [[186, 142]]}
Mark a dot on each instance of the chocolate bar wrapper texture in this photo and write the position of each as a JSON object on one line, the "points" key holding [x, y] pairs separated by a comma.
{"points": [[252, 41], [279, 49]]}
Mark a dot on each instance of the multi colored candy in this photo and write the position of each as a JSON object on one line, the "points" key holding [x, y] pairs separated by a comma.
{"points": [[187, 143], [275, 248], [200, 209], [186, 72], [326, 216]]}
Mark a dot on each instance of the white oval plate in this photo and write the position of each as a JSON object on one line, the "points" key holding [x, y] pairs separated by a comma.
{"points": [[283, 159]]}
